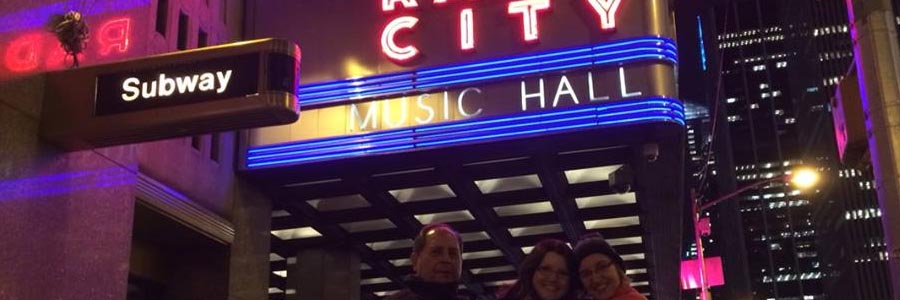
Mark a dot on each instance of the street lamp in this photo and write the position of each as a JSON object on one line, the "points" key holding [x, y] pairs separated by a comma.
{"points": [[802, 178]]}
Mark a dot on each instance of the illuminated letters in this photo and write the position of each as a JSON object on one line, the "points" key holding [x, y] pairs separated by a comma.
{"points": [[384, 114], [388, 42], [371, 116], [625, 93], [113, 35], [459, 103], [427, 108], [539, 94], [388, 5], [591, 96], [403, 112], [564, 88], [130, 86], [466, 30], [606, 9], [22, 54], [164, 86], [529, 9]]}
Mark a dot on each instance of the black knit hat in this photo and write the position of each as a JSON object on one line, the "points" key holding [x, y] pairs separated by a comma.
{"points": [[595, 243]]}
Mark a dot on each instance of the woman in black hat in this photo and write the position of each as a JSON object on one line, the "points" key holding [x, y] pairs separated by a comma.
{"points": [[602, 271], [545, 274]]}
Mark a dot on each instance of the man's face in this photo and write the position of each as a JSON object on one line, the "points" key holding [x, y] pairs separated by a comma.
{"points": [[440, 260]]}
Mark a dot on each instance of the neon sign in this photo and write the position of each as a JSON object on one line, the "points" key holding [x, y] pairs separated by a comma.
{"points": [[41, 51], [528, 10], [580, 88]]}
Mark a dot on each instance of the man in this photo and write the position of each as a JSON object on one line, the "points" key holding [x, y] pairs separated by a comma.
{"points": [[437, 264]]}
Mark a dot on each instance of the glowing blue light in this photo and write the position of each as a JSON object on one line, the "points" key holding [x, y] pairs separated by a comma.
{"points": [[461, 132], [385, 85], [702, 45]]}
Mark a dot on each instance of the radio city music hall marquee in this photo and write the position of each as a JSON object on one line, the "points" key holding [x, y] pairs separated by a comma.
{"points": [[446, 65]]}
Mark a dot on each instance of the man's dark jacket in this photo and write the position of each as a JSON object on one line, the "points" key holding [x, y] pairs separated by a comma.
{"points": [[421, 290]]}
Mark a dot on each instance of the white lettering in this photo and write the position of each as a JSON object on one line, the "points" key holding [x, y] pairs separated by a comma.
{"points": [[389, 44], [166, 85], [403, 112], [591, 90], [466, 31], [130, 86], [371, 116], [207, 82], [459, 103], [564, 88], [427, 108], [388, 5], [148, 94], [186, 84], [625, 93], [223, 80], [526, 96], [446, 105], [606, 9], [529, 10]]}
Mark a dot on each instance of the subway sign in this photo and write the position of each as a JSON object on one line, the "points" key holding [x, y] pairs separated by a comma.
{"points": [[402, 75], [192, 82], [228, 87]]}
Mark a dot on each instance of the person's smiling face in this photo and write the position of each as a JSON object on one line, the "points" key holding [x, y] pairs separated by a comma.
{"points": [[551, 279], [600, 276]]}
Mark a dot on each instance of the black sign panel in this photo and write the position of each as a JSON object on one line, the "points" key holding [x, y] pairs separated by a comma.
{"points": [[201, 81]]}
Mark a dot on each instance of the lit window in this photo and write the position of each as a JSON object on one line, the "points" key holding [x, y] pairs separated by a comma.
{"points": [[731, 100], [754, 106]]}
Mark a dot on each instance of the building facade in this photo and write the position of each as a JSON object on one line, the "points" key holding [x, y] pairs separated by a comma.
{"points": [[780, 64], [163, 219]]}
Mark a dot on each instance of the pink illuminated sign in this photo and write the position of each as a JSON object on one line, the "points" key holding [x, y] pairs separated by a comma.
{"points": [[529, 11], [36, 51], [690, 273]]}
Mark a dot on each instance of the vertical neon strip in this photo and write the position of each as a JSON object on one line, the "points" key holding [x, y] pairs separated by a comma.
{"points": [[388, 43], [529, 10], [606, 9], [702, 44], [466, 30]]}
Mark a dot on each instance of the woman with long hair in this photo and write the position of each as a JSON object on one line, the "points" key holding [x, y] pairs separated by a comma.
{"points": [[545, 274]]}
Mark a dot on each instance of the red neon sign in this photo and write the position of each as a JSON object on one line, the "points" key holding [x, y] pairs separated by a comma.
{"points": [[606, 9], [388, 42], [36, 51], [113, 35], [528, 9], [23, 52], [388, 5]]}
